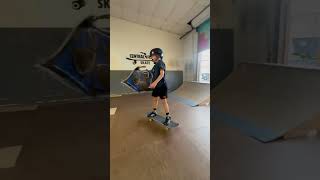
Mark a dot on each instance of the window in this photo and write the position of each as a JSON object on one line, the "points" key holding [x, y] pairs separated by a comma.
{"points": [[204, 52], [204, 66]]}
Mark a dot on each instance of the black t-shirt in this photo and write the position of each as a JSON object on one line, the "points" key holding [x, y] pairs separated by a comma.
{"points": [[156, 72]]}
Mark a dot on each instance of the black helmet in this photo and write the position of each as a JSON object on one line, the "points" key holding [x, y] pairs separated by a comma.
{"points": [[156, 51]]}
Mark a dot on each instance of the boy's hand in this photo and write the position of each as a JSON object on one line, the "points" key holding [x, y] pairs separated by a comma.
{"points": [[152, 85]]}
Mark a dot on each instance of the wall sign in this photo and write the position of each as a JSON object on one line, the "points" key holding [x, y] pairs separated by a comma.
{"points": [[78, 4], [103, 4], [143, 58]]}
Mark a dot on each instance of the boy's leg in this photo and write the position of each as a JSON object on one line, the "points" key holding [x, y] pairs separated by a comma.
{"points": [[163, 95], [155, 101], [166, 108], [155, 98]]}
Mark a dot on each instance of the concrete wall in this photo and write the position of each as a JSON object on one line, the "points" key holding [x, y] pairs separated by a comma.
{"points": [[256, 30], [222, 11], [222, 38], [222, 54], [244, 31]]}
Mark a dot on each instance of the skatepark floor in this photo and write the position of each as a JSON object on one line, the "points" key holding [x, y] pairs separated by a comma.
{"points": [[240, 157], [65, 141], [143, 150]]}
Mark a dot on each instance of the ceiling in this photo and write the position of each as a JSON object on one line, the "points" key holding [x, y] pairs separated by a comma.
{"points": [[167, 15]]}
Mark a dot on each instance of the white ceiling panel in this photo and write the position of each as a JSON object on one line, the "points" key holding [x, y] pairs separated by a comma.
{"points": [[168, 15], [116, 11], [165, 8], [143, 19], [182, 8], [198, 7], [165, 25], [147, 7], [115, 3], [186, 28], [157, 21], [131, 15], [178, 28], [204, 2], [130, 4]]}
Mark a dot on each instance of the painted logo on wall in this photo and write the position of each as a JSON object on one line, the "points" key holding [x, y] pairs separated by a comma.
{"points": [[103, 4], [142, 57], [78, 4]]}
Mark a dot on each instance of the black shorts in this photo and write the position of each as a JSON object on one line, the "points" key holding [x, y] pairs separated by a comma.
{"points": [[161, 92]]}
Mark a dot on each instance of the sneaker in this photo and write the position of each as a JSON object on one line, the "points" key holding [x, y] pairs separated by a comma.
{"points": [[168, 119], [152, 114]]}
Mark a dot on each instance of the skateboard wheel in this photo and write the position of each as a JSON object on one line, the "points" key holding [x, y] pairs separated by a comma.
{"points": [[150, 120]]}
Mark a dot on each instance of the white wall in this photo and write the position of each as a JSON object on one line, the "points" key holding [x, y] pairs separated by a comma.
{"points": [[130, 38]]}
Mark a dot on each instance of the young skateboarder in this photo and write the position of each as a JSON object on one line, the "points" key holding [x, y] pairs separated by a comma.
{"points": [[159, 84]]}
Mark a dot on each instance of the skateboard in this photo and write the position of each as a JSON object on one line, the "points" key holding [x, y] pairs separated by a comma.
{"points": [[139, 79], [160, 120]]}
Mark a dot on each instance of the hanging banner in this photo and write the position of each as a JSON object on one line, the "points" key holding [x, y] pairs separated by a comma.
{"points": [[204, 36]]}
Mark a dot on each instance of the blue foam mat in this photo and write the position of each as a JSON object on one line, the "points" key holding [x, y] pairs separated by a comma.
{"points": [[259, 133]]}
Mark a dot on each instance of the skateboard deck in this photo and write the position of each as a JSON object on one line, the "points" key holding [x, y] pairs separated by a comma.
{"points": [[139, 80], [160, 120]]}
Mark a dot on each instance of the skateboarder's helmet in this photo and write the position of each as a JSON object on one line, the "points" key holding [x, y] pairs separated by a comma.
{"points": [[156, 51]]}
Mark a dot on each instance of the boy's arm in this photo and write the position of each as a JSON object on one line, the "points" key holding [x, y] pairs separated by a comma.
{"points": [[154, 83], [159, 77]]}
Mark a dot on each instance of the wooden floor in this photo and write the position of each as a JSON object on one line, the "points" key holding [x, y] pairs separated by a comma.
{"points": [[237, 156], [143, 150], [65, 142]]}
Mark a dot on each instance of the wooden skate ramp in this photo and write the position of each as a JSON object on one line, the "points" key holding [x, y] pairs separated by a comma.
{"points": [[192, 93], [9, 156], [267, 101]]}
